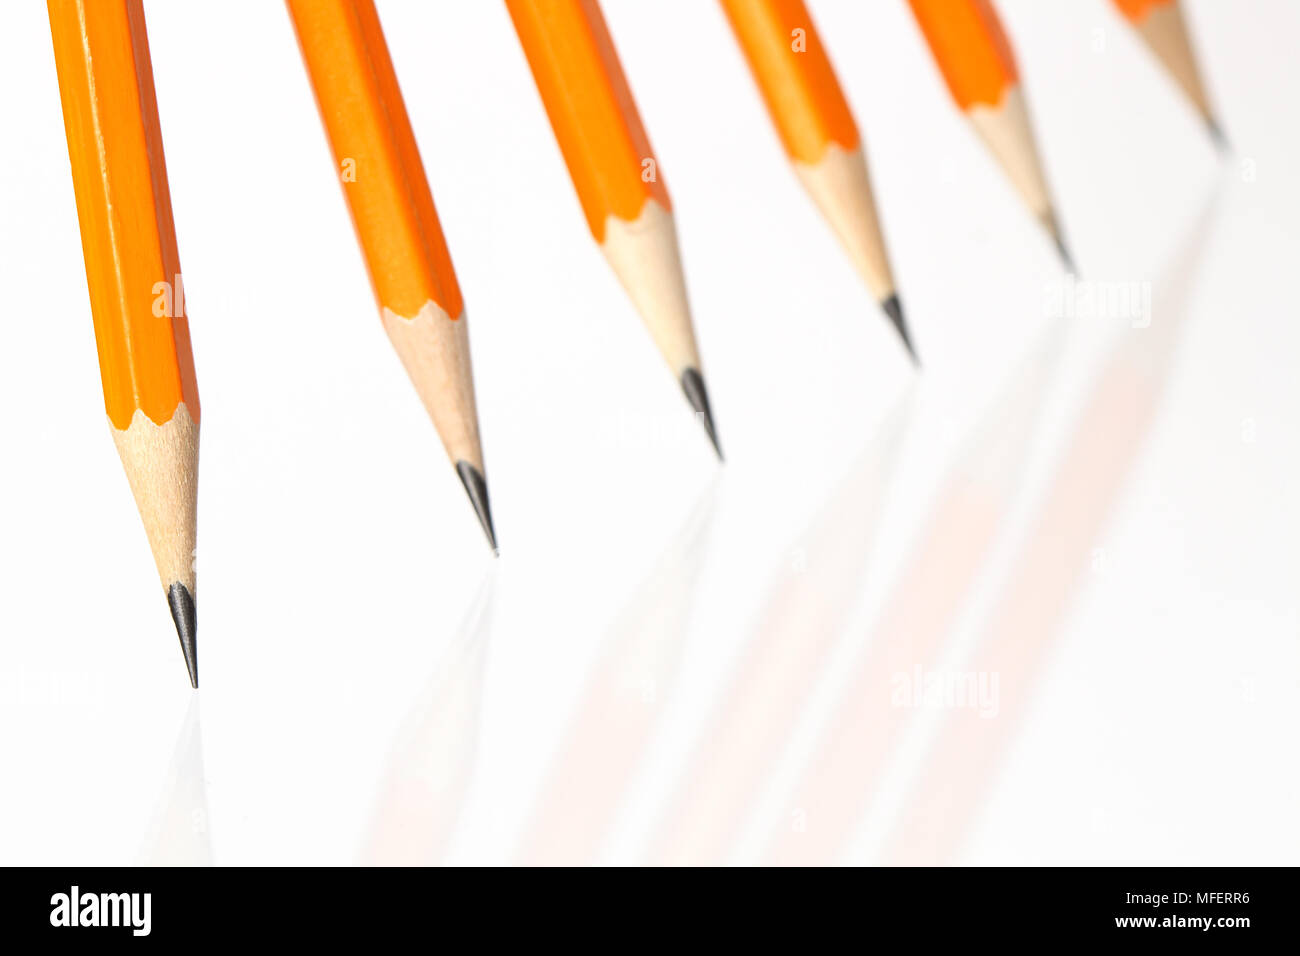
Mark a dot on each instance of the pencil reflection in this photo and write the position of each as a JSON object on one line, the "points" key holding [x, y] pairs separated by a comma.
{"points": [[620, 706], [1043, 577], [178, 834], [920, 612], [797, 628], [432, 757]]}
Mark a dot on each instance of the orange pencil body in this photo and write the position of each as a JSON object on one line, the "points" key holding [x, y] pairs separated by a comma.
{"points": [[794, 75], [591, 109], [1136, 10], [374, 149], [970, 48], [128, 239]]}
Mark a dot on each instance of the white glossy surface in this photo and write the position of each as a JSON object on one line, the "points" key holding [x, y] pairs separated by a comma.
{"points": [[663, 645]]}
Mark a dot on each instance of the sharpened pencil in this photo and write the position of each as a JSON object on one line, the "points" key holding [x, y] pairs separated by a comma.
{"points": [[397, 225], [128, 240], [1163, 28], [615, 172], [803, 97], [975, 58]]}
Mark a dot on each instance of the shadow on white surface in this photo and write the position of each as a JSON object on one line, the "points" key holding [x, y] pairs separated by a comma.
{"points": [[795, 631], [924, 603], [620, 705], [963, 762], [432, 758], [178, 834]]}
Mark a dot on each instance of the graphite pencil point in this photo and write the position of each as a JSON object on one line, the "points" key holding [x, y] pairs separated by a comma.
{"points": [[1066, 259], [476, 488], [1217, 134], [894, 309], [181, 602], [1054, 230], [698, 396]]}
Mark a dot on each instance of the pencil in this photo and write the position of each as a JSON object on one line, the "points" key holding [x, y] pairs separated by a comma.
{"points": [[976, 61], [133, 274], [803, 97], [1164, 29], [396, 223], [615, 172]]}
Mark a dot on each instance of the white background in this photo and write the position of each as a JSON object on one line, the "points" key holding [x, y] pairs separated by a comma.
{"points": [[367, 664]]}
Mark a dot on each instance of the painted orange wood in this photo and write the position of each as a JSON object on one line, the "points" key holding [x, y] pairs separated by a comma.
{"points": [[972, 51], [128, 239], [376, 155], [590, 107], [1136, 10], [794, 74]]}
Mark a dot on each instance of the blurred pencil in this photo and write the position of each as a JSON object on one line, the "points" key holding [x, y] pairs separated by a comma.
{"points": [[397, 226], [615, 172], [128, 240], [1162, 26], [803, 97], [976, 61]]}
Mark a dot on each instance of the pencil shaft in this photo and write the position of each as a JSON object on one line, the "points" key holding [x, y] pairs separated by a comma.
{"points": [[392, 209], [614, 171], [128, 237], [375, 153], [119, 175], [970, 48], [974, 55], [794, 74], [591, 109]]}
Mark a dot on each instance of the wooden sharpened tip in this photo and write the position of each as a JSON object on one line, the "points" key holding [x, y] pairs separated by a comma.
{"points": [[162, 465]]}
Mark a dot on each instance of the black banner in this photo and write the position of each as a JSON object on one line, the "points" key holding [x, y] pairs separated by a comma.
{"points": [[988, 905]]}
